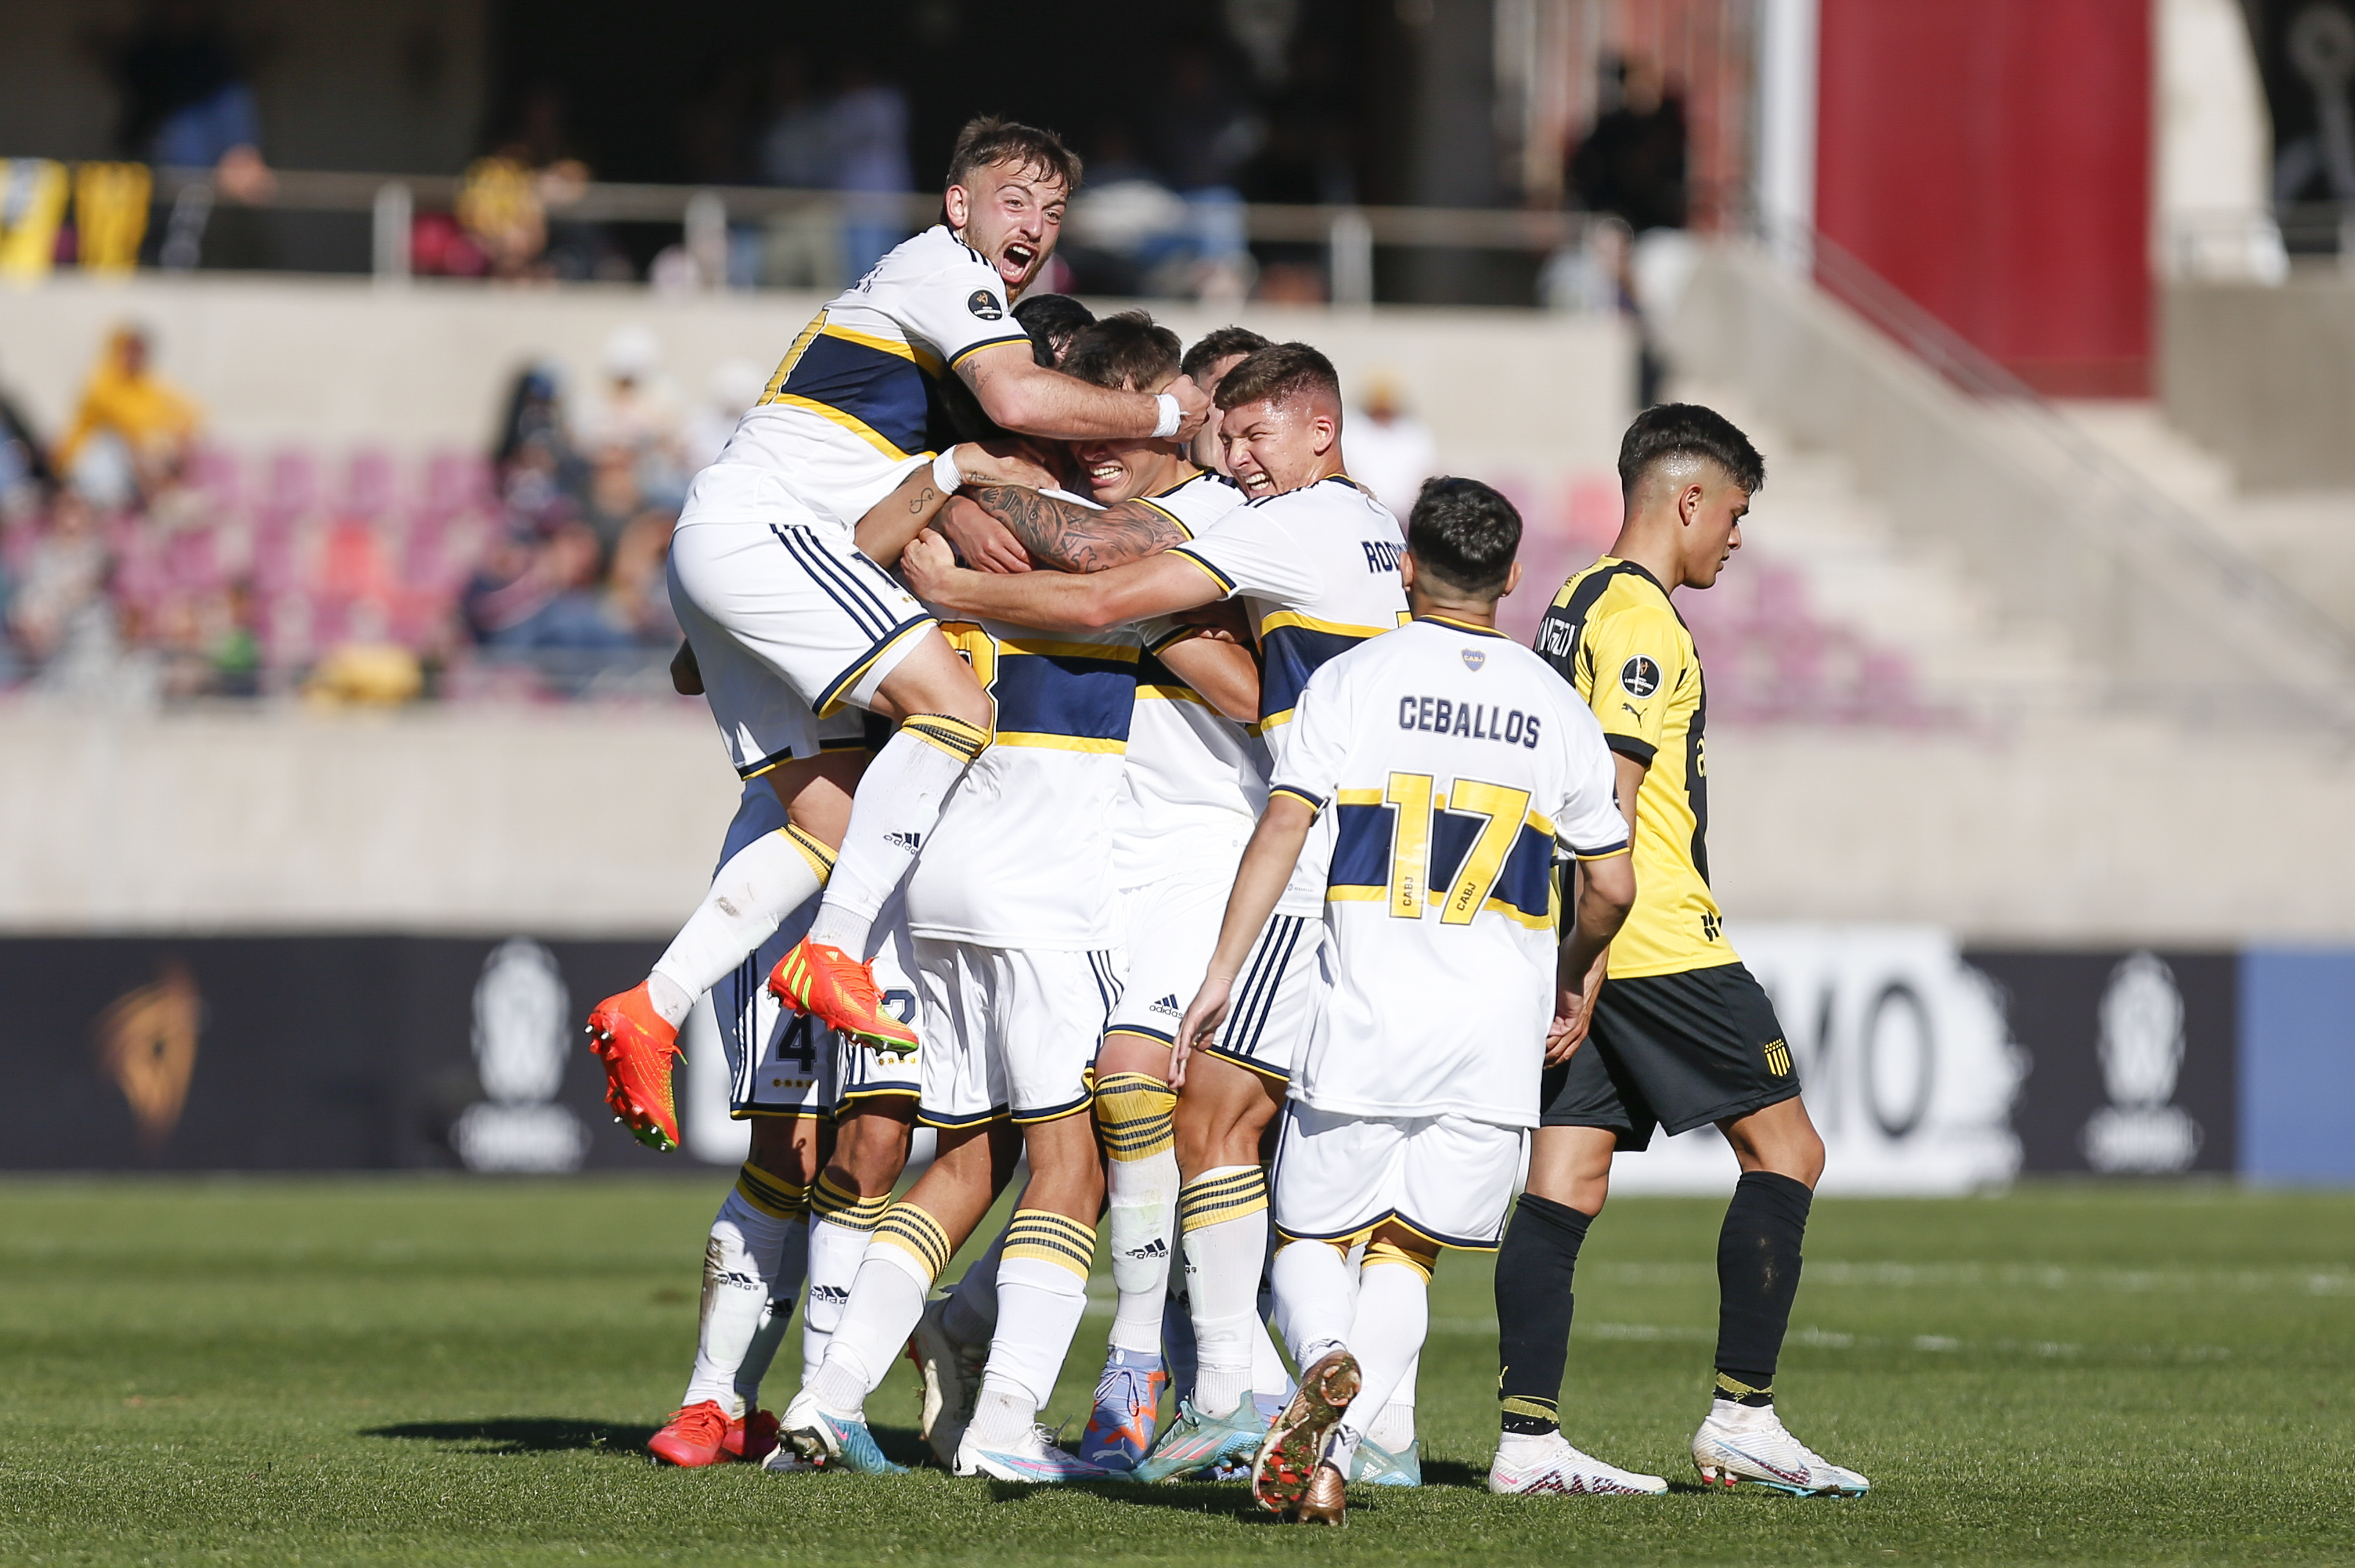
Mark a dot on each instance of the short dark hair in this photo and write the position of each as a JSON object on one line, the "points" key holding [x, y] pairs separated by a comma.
{"points": [[1052, 320], [1464, 534], [1220, 343], [988, 139], [1279, 373], [1686, 430], [1130, 350]]}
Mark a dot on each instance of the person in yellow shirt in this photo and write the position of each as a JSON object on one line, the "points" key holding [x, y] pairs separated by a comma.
{"points": [[124, 398], [1672, 1031]]}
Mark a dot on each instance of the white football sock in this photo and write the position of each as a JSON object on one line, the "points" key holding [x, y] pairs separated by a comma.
{"points": [[971, 1316], [1312, 1281], [741, 1264], [750, 897], [841, 1224], [1271, 1382], [896, 807], [1222, 1214], [1394, 1428], [767, 1341], [887, 1298], [1042, 1292], [1386, 1334], [1134, 1113], [1002, 1413]]}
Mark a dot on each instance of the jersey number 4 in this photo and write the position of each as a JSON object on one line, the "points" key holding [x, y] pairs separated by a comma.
{"points": [[1418, 807]]}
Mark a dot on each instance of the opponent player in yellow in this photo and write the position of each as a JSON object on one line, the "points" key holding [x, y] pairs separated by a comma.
{"points": [[789, 620], [1682, 1035]]}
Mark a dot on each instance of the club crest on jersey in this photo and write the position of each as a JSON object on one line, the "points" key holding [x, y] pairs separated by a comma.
{"points": [[984, 303], [1474, 658], [1639, 676]]}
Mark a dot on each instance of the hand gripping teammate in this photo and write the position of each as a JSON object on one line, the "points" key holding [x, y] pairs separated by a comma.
{"points": [[1681, 1036], [789, 620], [1315, 561], [1455, 770]]}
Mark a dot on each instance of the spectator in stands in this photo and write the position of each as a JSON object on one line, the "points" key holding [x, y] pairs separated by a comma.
{"points": [[867, 146], [1632, 162], [187, 103], [800, 249], [25, 475], [635, 419], [60, 615], [1390, 451], [151, 422]]}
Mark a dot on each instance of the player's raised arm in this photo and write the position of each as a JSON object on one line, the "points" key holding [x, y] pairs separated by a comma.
{"points": [[1160, 585], [906, 511], [1022, 395]]}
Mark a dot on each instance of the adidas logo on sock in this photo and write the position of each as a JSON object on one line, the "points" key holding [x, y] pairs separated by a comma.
{"points": [[1156, 1248], [910, 842], [1168, 1004], [829, 1292]]}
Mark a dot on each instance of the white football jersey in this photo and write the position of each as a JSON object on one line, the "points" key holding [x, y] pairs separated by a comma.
{"points": [[1189, 765], [1022, 856], [1317, 569], [1455, 766], [852, 408]]}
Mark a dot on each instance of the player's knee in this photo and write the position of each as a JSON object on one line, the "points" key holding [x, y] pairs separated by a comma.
{"points": [[785, 1148], [872, 1150], [1134, 1113], [1403, 1249]]}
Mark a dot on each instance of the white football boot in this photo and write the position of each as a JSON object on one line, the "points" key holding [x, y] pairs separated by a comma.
{"points": [[1034, 1457], [951, 1372], [1549, 1465], [1748, 1443]]}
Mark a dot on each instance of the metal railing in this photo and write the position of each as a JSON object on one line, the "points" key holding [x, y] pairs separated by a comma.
{"points": [[1349, 234]]}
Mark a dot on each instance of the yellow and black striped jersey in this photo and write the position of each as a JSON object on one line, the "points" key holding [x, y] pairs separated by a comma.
{"points": [[1615, 637]]}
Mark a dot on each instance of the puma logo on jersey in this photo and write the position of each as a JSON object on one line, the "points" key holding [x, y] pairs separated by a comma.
{"points": [[1167, 1003], [910, 842]]}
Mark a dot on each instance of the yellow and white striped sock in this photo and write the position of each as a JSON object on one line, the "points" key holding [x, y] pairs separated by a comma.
{"points": [[898, 803], [841, 1224], [1042, 1292], [904, 1257], [1222, 1218], [1136, 1116]]}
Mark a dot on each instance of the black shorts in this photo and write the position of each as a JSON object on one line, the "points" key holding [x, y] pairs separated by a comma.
{"points": [[1673, 1051]]}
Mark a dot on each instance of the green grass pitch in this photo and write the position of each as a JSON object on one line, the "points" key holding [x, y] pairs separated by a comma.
{"points": [[441, 1372]]}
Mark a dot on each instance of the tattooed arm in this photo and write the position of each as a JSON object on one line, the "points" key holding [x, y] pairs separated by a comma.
{"points": [[1075, 537]]}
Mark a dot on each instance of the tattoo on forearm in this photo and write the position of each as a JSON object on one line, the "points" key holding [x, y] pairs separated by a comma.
{"points": [[1078, 539], [923, 498]]}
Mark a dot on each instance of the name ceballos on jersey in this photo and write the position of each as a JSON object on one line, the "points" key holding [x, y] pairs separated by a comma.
{"points": [[1473, 720]]}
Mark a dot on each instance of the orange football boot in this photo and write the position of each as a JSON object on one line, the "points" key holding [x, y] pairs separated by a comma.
{"points": [[840, 990], [751, 1438], [693, 1437], [636, 1047]]}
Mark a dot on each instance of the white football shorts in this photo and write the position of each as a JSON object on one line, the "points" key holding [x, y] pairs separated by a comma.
{"points": [[1275, 997], [1009, 1032], [788, 621], [1171, 926], [1449, 1178]]}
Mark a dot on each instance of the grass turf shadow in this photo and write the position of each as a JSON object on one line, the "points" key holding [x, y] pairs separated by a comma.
{"points": [[521, 1434]]}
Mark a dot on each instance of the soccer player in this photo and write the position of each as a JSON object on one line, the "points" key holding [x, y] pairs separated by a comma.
{"points": [[1681, 1036], [1455, 769], [1315, 559], [789, 620]]}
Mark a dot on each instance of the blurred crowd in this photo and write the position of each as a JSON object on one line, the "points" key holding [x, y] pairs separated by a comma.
{"points": [[141, 561]]}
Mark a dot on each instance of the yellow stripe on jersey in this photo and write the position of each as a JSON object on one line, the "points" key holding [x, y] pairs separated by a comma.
{"points": [[1275, 619], [929, 364], [1613, 634], [1061, 742], [856, 426]]}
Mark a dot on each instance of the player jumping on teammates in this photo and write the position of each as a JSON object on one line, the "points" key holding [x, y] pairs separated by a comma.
{"points": [[1681, 1035], [1454, 770], [789, 620], [1315, 559]]}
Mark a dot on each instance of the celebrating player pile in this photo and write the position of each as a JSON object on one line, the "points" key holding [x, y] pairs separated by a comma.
{"points": [[1059, 910]]}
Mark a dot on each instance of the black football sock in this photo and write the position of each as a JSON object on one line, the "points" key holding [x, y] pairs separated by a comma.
{"points": [[1533, 1308], [1757, 1276]]}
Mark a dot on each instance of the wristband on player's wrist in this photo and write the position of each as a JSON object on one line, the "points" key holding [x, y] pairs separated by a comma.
{"points": [[1171, 414], [944, 472]]}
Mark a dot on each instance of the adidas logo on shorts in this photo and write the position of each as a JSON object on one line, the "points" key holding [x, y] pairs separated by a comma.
{"points": [[1168, 1004]]}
